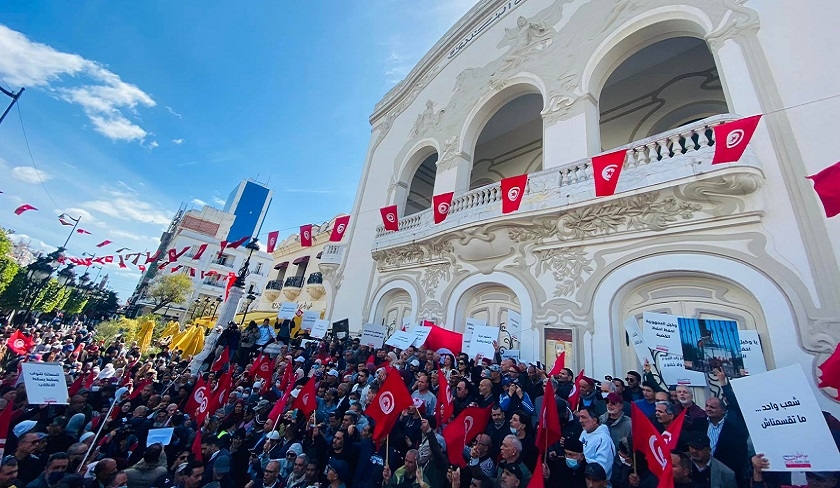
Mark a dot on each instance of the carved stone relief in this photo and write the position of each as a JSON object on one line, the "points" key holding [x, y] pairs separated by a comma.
{"points": [[432, 275], [570, 266]]}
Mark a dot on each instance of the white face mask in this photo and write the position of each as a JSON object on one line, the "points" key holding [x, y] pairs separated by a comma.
{"points": [[625, 462]]}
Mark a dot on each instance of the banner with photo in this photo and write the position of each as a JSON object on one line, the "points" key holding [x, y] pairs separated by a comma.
{"points": [[709, 344]]}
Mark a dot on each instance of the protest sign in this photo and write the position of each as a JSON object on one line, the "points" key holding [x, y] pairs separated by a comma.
{"points": [[751, 352], [481, 343], [308, 320], [638, 341], [514, 324], [406, 323], [319, 329], [661, 332], [709, 344], [401, 339], [468, 332], [373, 335], [673, 372], [785, 421], [45, 383], [510, 354], [420, 334], [159, 436], [341, 328], [288, 310]]}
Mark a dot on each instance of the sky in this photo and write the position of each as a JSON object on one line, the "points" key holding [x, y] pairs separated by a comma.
{"points": [[132, 109]]}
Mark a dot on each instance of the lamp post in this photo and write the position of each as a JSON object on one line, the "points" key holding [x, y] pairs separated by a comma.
{"points": [[195, 308], [250, 299], [228, 312], [216, 307]]}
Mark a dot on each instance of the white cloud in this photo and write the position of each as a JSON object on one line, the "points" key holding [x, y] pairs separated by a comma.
{"points": [[153, 145], [102, 95], [177, 141], [199, 202], [126, 206], [28, 174], [219, 201], [173, 112]]}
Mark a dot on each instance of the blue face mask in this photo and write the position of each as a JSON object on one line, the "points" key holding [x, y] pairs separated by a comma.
{"points": [[572, 463]]}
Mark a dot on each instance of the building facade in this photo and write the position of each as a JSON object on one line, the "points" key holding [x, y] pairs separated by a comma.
{"points": [[541, 86]]}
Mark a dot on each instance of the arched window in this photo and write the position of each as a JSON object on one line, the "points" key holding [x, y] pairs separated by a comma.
{"points": [[663, 86], [422, 186], [510, 143]]}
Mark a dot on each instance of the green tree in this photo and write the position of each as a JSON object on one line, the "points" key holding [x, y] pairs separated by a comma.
{"points": [[75, 303], [51, 296], [168, 289], [8, 266], [15, 293]]}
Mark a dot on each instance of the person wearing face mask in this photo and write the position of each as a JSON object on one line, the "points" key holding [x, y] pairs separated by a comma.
{"points": [[514, 398], [53, 473], [520, 426], [567, 466], [623, 473]]}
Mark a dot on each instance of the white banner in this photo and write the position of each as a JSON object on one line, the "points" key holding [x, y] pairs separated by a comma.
{"points": [[468, 332], [308, 319], [159, 436], [672, 369], [319, 329], [407, 323], [785, 421], [662, 332], [421, 333], [288, 310], [481, 344], [45, 383], [400, 339], [373, 335], [751, 352], [511, 354], [638, 341], [514, 324]]}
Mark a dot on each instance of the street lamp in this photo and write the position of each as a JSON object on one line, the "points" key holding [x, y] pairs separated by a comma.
{"points": [[216, 307], [250, 299], [244, 271]]}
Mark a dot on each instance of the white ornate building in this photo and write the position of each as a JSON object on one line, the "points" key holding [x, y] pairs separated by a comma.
{"points": [[539, 87]]}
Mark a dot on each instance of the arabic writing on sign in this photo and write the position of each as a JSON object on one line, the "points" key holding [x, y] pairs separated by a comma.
{"points": [[791, 419], [775, 407], [498, 14]]}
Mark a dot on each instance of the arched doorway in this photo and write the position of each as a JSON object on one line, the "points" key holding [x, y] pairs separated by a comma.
{"points": [[394, 307], [665, 85], [510, 143], [422, 186], [492, 304]]}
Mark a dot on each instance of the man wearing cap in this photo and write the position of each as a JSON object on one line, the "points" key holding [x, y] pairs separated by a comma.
{"points": [[706, 470], [566, 468], [30, 465], [512, 477], [338, 472], [595, 476], [616, 421], [589, 396]]}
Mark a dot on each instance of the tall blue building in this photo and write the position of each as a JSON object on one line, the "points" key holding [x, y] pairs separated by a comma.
{"points": [[249, 201]]}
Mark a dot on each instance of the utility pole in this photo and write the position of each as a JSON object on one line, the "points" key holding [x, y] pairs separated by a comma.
{"points": [[14, 96]]}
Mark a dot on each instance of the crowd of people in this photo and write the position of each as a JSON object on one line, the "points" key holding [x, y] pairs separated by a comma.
{"points": [[119, 394]]}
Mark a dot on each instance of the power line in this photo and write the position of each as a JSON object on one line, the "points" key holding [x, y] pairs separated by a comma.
{"points": [[32, 158]]}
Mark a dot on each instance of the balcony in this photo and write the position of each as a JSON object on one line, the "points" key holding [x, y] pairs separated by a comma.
{"points": [[292, 287], [315, 278], [679, 154], [315, 286], [272, 289]]}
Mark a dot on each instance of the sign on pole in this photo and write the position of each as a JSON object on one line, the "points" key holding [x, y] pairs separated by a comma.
{"points": [[373, 335], [288, 310], [45, 383], [319, 329], [421, 333], [159, 436], [785, 421]]}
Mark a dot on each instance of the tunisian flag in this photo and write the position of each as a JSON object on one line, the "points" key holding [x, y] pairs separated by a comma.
{"points": [[388, 404], [548, 430], [220, 394], [461, 431], [731, 139], [389, 218], [441, 204], [653, 445], [672, 433], [444, 399], [19, 343], [279, 407], [559, 364], [224, 358], [306, 235], [262, 369], [196, 445], [339, 228], [272, 241], [5, 423], [444, 338], [198, 402], [830, 372], [574, 395], [827, 186], [24, 208], [606, 169], [513, 189], [306, 400]]}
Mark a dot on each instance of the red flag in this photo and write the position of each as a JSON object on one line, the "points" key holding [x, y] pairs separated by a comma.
{"points": [[574, 395], [306, 235], [444, 399], [827, 186], [606, 169], [830, 372], [559, 364], [537, 480], [441, 204], [463, 429], [222, 246], [731, 139], [288, 377], [196, 445], [82, 231], [235, 244], [67, 220], [224, 358], [141, 267], [19, 343], [77, 351], [280, 406], [654, 447], [389, 218], [272, 241], [548, 430], [90, 379], [174, 255], [444, 338], [262, 369], [339, 228], [200, 252], [198, 401], [24, 208], [513, 189], [74, 388], [220, 394], [388, 404], [103, 243], [230, 281], [5, 423], [672, 433], [122, 249], [139, 388], [306, 400], [150, 258]]}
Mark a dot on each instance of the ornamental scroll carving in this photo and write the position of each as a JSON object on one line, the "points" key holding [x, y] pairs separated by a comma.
{"points": [[432, 275], [412, 254], [569, 266]]}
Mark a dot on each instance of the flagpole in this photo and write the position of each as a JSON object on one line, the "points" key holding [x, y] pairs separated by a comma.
{"points": [[387, 447], [98, 433], [75, 224], [634, 463]]}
